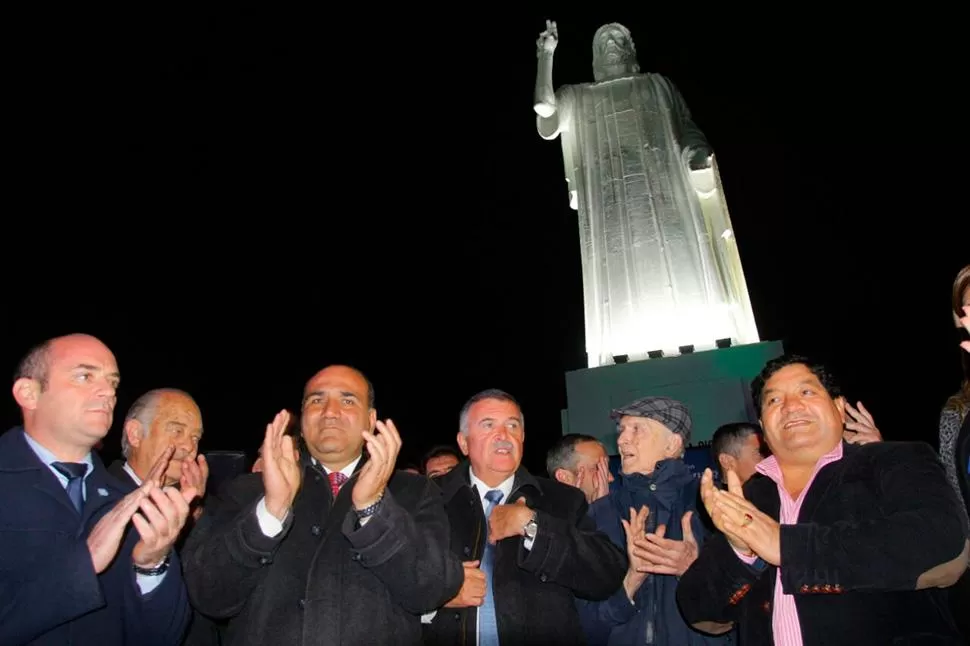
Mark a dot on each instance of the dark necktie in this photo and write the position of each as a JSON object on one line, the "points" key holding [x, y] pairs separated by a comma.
{"points": [[337, 480], [487, 623], [74, 472]]}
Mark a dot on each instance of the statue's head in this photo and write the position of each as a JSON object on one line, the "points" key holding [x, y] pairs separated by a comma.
{"points": [[614, 54]]}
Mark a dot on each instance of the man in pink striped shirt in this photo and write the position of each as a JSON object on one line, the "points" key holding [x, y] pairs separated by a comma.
{"points": [[829, 543]]}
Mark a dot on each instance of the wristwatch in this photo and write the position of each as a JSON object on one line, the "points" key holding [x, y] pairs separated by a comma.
{"points": [[531, 527], [158, 570]]}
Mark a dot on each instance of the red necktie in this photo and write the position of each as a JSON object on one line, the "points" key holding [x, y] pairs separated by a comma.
{"points": [[336, 480]]}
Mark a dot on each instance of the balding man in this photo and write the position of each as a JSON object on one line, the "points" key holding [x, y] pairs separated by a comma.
{"points": [[163, 420], [168, 422], [71, 571], [329, 546]]}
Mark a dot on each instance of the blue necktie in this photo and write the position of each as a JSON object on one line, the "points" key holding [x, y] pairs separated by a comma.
{"points": [[74, 472], [487, 624]]}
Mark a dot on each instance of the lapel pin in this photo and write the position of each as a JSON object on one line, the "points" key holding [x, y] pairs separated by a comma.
{"points": [[102, 492]]}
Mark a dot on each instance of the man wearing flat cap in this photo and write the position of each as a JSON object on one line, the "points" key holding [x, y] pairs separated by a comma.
{"points": [[650, 512]]}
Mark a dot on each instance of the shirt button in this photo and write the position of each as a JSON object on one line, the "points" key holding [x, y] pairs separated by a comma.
{"points": [[315, 530], [653, 487]]}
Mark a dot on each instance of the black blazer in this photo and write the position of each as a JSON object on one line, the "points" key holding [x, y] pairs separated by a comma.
{"points": [[49, 591], [871, 523], [323, 579], [535, 589]]}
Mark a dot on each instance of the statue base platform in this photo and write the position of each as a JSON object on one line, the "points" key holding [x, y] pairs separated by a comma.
{"points": [[714, 384]]}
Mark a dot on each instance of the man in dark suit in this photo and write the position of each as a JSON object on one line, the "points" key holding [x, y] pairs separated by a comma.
{"points": [[831, 543], [527, 545], [327, 546], [71, 571], [168, 422]]}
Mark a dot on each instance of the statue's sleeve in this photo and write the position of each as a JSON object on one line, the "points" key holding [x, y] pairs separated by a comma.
{"points": [[552, 127], [691, 136]]}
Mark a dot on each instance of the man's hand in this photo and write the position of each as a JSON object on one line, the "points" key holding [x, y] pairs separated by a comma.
{"points": [[668, 556], [861, 429], [709, 496], [508, 520], [382, 449], [195, 475], [636, 540], [162, 517], [282, 473], [105, 539], [744, 524], [600, 476], [472, 591]]}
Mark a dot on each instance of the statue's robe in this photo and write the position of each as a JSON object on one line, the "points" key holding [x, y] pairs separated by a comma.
{"points": [[660, 263]]}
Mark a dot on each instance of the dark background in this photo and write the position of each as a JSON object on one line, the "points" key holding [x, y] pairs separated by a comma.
{"points": [[233, 200]]}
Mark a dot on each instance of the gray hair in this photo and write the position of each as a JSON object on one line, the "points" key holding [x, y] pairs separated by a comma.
{"points": [[144, 410], [491, 393]]}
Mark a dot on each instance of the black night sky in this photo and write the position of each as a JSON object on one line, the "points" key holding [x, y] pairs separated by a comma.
{"points": [[234, 200]]}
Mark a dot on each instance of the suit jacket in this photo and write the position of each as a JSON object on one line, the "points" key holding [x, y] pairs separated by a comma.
{"points": [[534, 589], [870, 525], [202, 631], [49, 591], [323, 579]]}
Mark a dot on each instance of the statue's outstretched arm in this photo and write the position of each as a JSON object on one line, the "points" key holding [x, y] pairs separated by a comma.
{"points": [[545, 105]]}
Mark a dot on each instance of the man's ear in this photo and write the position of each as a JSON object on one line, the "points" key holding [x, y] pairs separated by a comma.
{"points": [[564, 477], [727, 462], [26, 392], [133, 431], [675, 445], [840, 406], [462, 443], [372, 419]]}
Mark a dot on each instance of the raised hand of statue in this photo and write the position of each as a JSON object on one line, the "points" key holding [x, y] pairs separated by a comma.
{"points": [[548, 39]]}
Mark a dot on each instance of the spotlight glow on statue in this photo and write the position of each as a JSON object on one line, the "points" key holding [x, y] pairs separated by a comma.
{"points": [[661, 267]]}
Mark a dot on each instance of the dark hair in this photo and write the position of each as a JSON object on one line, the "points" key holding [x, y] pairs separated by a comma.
{"points": [[960, 284], [437, 452], [35, 364], [960, 401], [729, 438], [824, 377], [562, 455], [491, 393]]}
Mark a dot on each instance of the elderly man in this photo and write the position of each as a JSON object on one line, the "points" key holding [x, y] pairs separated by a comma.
{"points": [[327, 546], [164, 419], [580, 461], [841, 544], [527, 544], [651, 513], [71, 572], [168, 422]]}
